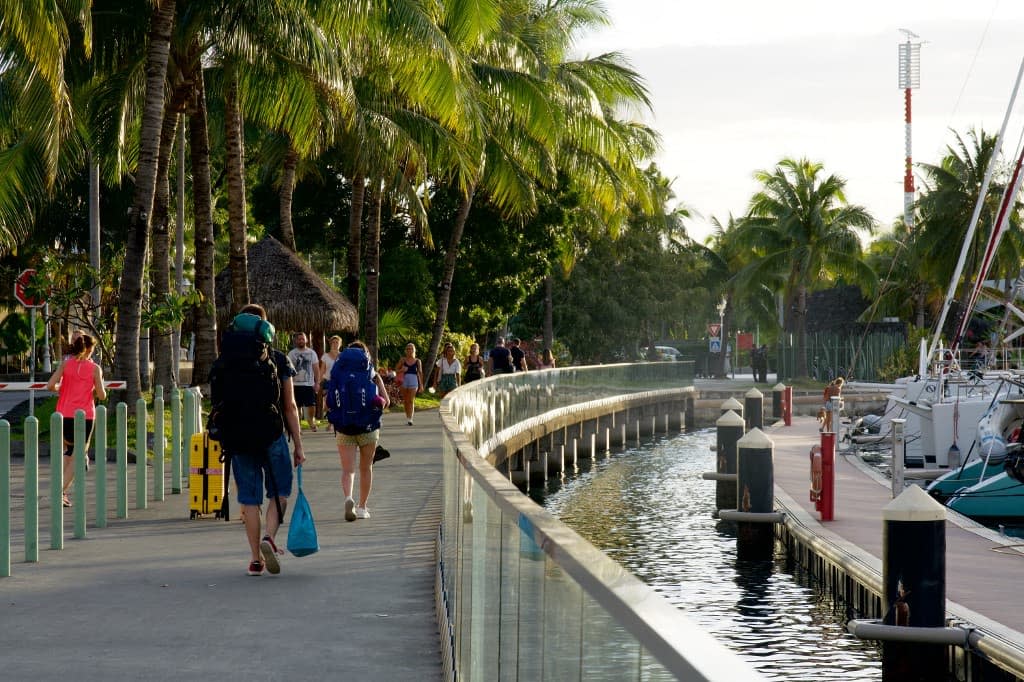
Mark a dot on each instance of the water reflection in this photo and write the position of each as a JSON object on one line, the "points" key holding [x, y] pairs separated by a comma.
{"points": [[650, 511]]}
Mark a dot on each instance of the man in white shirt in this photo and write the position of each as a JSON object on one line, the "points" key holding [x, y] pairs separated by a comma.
{"points": [[307, 378]]}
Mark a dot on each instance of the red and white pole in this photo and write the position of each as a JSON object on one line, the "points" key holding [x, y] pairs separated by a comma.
{"points": [[908, 176]]}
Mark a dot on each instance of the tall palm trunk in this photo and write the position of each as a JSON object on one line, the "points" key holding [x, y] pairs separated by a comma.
{"points": [[800, 318], [129, 304], [179, 251], [235, 162], [160, 268], [373, 269], [285, 193], [355, 222], [549, 317], [444, 294], [204, 314]]}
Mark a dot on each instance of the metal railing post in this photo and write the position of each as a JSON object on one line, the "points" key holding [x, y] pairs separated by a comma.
{"points": [[158, 448], [31, 490], [140, 454], [121, 483], [176, 469], [56, 481], [79, 481], [5, 498]]}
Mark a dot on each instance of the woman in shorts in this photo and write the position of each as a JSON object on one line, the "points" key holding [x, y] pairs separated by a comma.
{"points": [[449, 370], [366, 445], [410, 368], [77, 381]]}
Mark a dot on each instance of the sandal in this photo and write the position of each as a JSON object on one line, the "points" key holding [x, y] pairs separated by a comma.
{"points": [[66, 501]]}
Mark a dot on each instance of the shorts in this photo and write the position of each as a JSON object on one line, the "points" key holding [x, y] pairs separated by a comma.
{"points": [[69, 430], [448, 383], [411, 380], [359, 439], [249, 474], [305, 396]]}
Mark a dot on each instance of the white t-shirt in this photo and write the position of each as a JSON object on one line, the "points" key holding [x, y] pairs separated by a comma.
{"points": [[328, 363], [454, 368], [303, 360]]}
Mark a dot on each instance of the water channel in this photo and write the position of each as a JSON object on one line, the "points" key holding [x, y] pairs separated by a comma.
{"points": [[649, 509]]}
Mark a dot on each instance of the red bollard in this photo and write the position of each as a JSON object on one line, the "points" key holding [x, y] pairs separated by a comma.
{"points": [[826, 502], [787, 406]]}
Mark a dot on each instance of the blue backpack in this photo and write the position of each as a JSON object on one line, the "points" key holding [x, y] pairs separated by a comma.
{"points": [[351, 393]]}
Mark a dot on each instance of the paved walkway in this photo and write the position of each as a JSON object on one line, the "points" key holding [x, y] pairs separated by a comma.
{"points": [[982, 569], [160, 597]]}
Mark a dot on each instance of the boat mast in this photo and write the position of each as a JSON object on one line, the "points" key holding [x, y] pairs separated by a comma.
{"points": [[965, 248]]}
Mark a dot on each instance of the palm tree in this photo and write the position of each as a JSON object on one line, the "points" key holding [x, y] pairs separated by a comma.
{"points": [[805, 230], [129, 305]]}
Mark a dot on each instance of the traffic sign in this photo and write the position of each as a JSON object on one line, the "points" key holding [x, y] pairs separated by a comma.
{"points": [[21, 285], [715, 346], [714, 329]]}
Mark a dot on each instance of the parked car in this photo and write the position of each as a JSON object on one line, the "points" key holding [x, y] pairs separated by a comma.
{"points": [[662, 353]]}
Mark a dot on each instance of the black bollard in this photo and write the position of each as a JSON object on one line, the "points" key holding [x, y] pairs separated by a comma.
{"points": [[732, 405], [914, 577], [778, 398], [729, 429], [753, 408], [755, 492]]}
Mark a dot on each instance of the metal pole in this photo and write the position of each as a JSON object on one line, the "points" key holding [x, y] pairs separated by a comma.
{"points": [[899, 452], [32, 363], [31, 490], [56, 481], [100, 428], [140, 454], [79, 482], [5, 498]]}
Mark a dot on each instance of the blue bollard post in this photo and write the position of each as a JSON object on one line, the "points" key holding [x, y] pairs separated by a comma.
{"points": [[56, 481], [100, 449], [79, 458], [158, 449], [5, 498], [176, 468], [914, 578], [141, 492], [31, 490], [121, 484]]}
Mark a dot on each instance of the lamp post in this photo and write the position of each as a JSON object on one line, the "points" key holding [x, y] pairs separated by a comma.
{"points": [[721, 332]]}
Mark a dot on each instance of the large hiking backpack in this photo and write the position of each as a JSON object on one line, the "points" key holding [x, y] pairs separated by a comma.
{"points": [[352, 401], [244, 389]]}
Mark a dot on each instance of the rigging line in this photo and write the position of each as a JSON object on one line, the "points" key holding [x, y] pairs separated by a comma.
{"points": [[974, 61]]}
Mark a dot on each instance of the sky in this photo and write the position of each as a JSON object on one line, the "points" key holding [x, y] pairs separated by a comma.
{"points": [[737, 85]]}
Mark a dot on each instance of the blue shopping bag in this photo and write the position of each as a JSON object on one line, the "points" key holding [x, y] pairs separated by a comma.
{"points": [[302, 531]]}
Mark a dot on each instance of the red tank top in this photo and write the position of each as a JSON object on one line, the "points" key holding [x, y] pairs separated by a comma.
{"points": [[76, 388]]}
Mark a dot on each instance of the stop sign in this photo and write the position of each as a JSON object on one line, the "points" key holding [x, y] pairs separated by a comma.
{"points": [[21, 289]]}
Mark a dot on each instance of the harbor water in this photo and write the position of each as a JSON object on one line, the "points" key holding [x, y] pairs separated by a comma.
{"points": [[649, 509]]}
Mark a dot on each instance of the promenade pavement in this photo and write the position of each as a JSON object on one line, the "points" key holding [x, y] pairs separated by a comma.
{"points": [[160, 597]]}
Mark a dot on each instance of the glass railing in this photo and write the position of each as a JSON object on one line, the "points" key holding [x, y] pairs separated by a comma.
{"points": [[527, 598]]}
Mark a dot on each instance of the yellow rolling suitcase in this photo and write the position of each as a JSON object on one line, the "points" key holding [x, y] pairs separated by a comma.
{"points": [[206, 482]]}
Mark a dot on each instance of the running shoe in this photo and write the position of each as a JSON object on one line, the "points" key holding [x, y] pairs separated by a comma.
{"points": [[255, 568], [270, 551], [350, 509], [362, 513]]}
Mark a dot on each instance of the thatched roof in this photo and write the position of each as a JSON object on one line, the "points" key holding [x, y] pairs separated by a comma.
{"points": [[295, 297]]}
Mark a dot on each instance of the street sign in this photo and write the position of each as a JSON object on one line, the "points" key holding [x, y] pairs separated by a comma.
{"points": [[21, 290], [714, 329], [715, 346]]}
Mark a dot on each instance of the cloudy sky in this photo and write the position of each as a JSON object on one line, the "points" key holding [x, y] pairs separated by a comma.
{"points": [[739, 84]]}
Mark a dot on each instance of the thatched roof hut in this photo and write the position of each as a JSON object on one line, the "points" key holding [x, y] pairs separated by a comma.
{"points": [[295, 297]]}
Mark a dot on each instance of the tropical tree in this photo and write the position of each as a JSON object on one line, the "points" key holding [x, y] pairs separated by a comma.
{"points": [[804, 229]]}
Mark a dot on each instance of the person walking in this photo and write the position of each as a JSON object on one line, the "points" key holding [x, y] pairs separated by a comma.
{"points": [[499, 360], [834, 389], [410, 368], [307, 378], [362, 439], [78, 380], [547, 360], [518, 356], [328, 358], [449, 371], [474, 364], [257, 401]]}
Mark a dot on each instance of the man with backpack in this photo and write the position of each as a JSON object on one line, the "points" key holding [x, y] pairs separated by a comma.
{"points": [[253, 412], [356, 399]]}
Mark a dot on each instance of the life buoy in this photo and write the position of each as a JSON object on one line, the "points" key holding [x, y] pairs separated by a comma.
{"points": [[815, 473]]}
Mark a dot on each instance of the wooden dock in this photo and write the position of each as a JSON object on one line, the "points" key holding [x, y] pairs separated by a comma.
{"points": [[983, 569]]}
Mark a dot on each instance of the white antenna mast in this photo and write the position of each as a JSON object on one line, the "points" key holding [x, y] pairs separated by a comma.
{"points": [[909, 79]]}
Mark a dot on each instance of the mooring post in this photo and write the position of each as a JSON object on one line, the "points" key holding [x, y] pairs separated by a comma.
{"points": [[787, 407], [899, 453], [778, 398], [729, 429], [755, 492], [753, 409], [914, 577], [732, 405], [826, 499]]}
